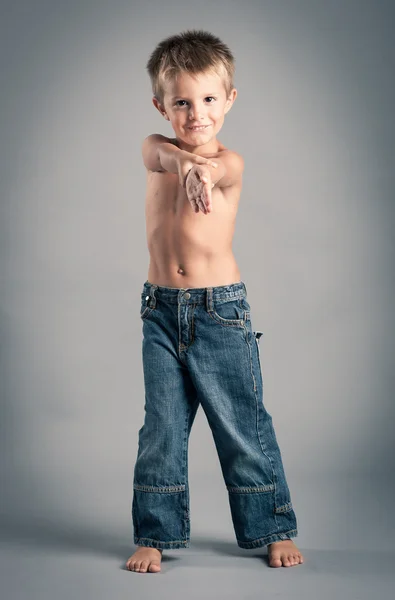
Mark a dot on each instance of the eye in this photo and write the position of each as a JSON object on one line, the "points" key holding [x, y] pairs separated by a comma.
{"points": [[181, 105]]}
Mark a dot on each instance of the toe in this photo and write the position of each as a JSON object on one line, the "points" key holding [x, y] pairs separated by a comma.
{"points": [[286, 561], [275, 561], [144, 566], [154, 567]]}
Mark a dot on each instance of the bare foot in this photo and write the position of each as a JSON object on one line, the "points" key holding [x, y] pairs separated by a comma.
{"points": [[145, 560], [284, 553]]}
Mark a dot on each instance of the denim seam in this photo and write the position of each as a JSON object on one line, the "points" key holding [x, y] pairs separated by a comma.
{"points": [[184, 542], [186, 524], [193, 307], [146, 312], [183, 347], [284, 508], [161, 489], [257, 421], [225, 322], [249, 490]]}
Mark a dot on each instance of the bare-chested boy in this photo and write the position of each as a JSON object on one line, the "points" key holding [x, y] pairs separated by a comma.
{"points": [[195, 314]]}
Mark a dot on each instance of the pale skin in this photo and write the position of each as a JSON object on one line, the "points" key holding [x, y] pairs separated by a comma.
{"points": [[199, 174]]}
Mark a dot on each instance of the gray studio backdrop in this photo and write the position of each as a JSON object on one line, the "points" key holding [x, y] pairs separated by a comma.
{"points": [[314, 241]]}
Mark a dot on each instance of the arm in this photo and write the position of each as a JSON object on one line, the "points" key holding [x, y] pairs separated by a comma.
{"points": [[201, 178], [229, 171], [160, 154], [150, 151]]}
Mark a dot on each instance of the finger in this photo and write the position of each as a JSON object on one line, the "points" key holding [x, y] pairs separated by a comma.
{"points": [[208, 197], [202, 206], [194, 206], [206, 204]]}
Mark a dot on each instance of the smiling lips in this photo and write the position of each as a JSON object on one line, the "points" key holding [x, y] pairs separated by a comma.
{"points": [[199, 128]]}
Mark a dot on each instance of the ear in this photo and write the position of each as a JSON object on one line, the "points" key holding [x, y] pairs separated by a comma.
{"points": [[230, 100], [160, 108]]}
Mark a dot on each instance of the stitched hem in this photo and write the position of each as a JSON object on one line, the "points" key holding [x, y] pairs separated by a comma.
{"points": [[268, 539], [150, 543]]}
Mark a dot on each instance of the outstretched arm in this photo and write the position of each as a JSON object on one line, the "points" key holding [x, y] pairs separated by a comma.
{"points": [[229, 171]]}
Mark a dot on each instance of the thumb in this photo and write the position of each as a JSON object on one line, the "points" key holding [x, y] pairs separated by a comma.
{"points": [[183, 179]]}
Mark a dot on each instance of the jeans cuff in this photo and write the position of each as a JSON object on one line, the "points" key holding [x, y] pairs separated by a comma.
{"points": [[268, 539], [160, 545]]}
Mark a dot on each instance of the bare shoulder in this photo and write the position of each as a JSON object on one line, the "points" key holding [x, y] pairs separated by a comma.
{"points": [[232, 157]]}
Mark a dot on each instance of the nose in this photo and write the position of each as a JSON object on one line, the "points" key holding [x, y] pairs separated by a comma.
{"points": [[194, 112]]}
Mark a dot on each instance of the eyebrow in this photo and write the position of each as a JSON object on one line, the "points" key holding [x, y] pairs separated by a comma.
{"points": [[208, 94]]}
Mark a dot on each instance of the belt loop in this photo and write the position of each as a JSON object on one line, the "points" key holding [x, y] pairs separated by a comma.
{"points": [[209, 299]]}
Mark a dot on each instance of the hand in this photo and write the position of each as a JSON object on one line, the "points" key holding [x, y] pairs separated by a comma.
{"points": [[198, 187], [185, 162]]}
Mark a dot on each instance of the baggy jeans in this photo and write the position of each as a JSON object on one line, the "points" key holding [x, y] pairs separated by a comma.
{"points": [[199, 348]]}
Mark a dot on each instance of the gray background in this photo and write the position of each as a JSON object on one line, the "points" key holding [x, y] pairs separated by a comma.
{"points": [[315, 245]]}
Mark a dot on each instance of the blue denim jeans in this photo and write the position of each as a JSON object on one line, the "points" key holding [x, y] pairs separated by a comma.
{"points": [[199, 348]]}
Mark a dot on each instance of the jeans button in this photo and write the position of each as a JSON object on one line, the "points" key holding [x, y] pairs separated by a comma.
{"points": [[187, 295]]}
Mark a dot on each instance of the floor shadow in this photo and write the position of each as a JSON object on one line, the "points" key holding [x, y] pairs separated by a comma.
{"points": [[74, 536], [226, 547], [67, 537]]}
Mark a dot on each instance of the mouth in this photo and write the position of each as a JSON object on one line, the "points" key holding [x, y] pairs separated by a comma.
{"points": [[200, 128]]}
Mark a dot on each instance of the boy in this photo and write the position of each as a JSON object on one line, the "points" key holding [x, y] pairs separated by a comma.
{"points": [[198, 343]]}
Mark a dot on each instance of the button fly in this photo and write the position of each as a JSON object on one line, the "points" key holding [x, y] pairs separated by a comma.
{"points": [[187, 295]]}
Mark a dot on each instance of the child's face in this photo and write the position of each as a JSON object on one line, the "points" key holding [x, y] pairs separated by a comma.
{"points": [[196, 100]]}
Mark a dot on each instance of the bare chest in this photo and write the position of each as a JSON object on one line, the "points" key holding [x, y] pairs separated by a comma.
{"points": [[167, 200]]}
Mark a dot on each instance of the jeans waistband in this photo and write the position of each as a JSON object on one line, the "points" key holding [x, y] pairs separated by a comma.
{"points": [[195, 295]]}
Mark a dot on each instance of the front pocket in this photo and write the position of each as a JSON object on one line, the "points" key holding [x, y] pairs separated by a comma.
{"points": [[229, 313], [145, 311]]}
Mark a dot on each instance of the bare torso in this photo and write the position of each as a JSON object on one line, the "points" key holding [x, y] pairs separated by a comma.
{"points": [[188, 249]]}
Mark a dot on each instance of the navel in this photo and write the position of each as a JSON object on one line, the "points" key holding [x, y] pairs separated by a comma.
{"points": [[181, 271]]}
